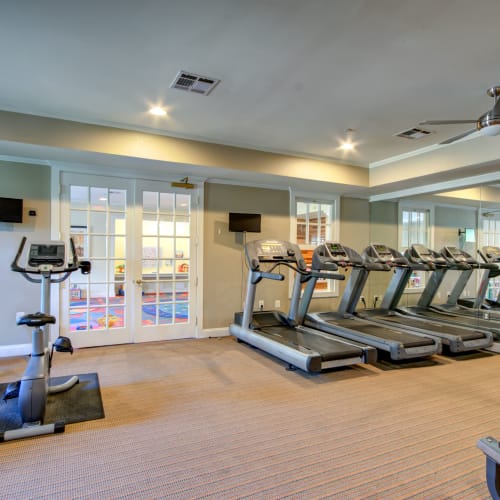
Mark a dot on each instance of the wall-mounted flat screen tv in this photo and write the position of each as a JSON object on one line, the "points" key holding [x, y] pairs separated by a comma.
{"points": [[11, 210], [249, 223]]}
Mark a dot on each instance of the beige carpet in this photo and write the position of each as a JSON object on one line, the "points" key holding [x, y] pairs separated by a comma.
{"points": [[217, 419]]}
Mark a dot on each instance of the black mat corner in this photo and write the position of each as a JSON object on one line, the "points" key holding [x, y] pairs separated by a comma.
{"points": [[81, 403]]}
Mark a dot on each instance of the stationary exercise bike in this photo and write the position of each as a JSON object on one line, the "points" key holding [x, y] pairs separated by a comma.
{"points": [[45, 260]]}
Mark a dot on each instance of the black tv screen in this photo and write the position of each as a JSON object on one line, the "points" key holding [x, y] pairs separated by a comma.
{"points": [[249, 223], [11, 210]]}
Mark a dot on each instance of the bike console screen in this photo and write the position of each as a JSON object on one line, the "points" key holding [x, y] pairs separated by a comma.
{"points": [[50, 253]]}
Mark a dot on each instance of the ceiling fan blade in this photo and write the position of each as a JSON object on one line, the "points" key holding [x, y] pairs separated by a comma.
{"points": [[445, 122], [459, 136]]}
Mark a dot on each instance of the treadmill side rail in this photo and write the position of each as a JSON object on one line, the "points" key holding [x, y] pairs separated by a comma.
{"points": [[310, 362]]}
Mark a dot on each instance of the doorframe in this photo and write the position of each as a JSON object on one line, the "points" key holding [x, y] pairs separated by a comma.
{"points": [[56, 171]]}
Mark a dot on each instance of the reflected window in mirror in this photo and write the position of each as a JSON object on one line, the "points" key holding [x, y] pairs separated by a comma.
{"points": [[491, 237], [415, 225]]}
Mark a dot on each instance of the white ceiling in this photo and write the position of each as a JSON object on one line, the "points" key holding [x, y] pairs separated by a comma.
{"points": [[294, 74]]}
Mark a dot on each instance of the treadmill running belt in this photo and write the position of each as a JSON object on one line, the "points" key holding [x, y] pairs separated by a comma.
{"points": [[386, 333], [328, 349], [464, 334]]}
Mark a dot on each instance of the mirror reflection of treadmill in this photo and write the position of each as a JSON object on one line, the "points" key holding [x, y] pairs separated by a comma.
{"points": [[397, 341], [488, 296], [457, 338], [458, 300], [451, 312], [278, 333]]}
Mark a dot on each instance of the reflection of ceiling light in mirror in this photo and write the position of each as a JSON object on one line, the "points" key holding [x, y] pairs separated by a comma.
{"points": [[157, 111], [346, 143]]}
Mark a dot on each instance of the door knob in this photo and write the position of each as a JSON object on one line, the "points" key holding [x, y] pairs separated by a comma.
{"points": [[138, 282]]}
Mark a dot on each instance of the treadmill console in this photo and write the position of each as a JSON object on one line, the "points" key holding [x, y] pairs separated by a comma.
{"points": [[273, 251], [492, 253], [455, 254], [336, 252], [46, 254], [381, 252], [422, 253]]}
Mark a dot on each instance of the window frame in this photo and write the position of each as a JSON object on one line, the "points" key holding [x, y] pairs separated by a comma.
{"points": [[333, 200], [414, 207]]}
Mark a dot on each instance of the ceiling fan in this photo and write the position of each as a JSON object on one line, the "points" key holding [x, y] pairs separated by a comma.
{"points": [[487, 124]]}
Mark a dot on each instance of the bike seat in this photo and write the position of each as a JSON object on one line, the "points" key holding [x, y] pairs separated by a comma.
{"points": [[36, 319]]}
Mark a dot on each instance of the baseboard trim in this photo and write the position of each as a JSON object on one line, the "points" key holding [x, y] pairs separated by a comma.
{"points": [[7, 351], [213, 332]]}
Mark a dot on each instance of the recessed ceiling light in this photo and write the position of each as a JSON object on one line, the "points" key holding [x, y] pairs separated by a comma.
{"points": [[346, 146], [157, 111]]}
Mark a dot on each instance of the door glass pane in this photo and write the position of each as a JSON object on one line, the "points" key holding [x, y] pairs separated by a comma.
{"points": [[98, 222], [117, 199], [98, 198], [98, 300], [165, 258], [167, 202], [149, 201]]}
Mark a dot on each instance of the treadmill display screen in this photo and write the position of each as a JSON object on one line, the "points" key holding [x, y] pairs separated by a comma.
{"points": [[274, 250], [422, 252], [382, 252], [455, 254], [492, 252], [336, 250]]}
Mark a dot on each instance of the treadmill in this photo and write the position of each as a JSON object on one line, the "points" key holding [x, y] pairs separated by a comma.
{"points": [[278, 333], [397, 340], [466, 264], [439, 265], [490, 256], [457, 338]]}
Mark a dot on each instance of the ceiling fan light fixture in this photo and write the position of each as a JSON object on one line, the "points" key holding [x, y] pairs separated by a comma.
{"points": [[491, 130]]}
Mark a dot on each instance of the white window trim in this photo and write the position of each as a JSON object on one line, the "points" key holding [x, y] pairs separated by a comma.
{"points": [[315, 197], [416, 205]]}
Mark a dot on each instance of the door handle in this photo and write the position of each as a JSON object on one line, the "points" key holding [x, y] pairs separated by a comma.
{"points": [[138, 282]]}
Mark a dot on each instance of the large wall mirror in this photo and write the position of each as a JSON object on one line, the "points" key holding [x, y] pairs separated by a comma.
{"points": [[466, 219]]}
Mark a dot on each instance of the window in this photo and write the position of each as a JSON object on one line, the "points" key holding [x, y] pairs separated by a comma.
{"points": [[315, 222], [491, 237], [415, 227]]}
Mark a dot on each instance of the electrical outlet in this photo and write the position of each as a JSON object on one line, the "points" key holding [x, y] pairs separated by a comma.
{"points": [[261, 304], [362, 298], [277, 304]]}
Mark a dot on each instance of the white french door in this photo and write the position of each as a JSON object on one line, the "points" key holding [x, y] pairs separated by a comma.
{"points": [[164, 275], [139, 237]]}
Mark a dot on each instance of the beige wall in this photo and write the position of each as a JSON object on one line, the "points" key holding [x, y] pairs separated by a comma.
{"points": [[32, 184], [224, 278]]}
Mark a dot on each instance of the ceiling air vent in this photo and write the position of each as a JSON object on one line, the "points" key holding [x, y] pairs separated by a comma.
{"points": [[413, 133], [194, 83]]}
